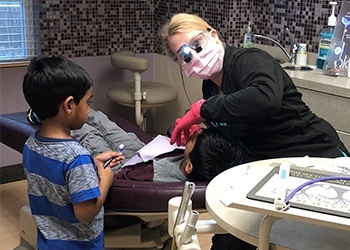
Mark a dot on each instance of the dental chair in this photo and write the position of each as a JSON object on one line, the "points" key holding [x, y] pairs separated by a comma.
{"points": [[139, 94], [136, 213]]}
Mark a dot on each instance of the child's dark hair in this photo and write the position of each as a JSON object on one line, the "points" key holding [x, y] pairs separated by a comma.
{"points": [[215, 151], [50, 80]]}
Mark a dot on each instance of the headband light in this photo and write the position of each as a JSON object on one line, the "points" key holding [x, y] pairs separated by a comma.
{"points": [[186, 53]]}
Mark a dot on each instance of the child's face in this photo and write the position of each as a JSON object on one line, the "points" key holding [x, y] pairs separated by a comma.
{"points": [[82, 110]]}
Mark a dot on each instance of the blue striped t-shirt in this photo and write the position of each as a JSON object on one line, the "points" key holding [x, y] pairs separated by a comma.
{"points": [[60, 173]]}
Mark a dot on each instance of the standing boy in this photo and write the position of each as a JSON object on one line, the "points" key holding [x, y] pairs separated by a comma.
{"points": [[66, 185]]}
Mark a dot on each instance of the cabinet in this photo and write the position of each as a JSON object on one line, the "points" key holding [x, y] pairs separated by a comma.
{"points": [[328, 97], [334, 109]]}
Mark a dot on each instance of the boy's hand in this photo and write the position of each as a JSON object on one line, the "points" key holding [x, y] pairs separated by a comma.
{"points": [[87, 210], [105, 156], [105, 173]]}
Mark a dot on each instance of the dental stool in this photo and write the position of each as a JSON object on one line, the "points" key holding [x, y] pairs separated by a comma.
{"points": [[139, 94]]}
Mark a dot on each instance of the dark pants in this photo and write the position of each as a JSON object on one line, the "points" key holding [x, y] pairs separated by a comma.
{"points": [[230, 242]]}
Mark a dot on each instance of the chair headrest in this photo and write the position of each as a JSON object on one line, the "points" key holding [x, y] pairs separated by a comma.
{"points": [[128, 60]]}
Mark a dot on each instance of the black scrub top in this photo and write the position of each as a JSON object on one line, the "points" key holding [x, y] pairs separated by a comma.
{"points": [[261, 106]]}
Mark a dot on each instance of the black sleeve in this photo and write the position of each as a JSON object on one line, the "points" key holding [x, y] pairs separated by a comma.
{"points": [[253, 90], [209, 89]]}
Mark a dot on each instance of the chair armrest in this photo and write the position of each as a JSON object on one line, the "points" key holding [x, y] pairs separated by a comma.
{"points": [[15, 130], [144, 196]]}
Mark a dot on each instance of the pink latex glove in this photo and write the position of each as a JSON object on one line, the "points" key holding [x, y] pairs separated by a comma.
{"points": [[194, 128], [183, 125]]}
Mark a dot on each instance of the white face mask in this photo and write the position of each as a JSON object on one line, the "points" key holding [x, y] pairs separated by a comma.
{"points": [[206, 63]]}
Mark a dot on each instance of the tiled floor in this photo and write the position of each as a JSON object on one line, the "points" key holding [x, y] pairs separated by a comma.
{"points": [[13, 196]]}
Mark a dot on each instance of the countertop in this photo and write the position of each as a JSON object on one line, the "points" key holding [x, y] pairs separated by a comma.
{"points": [[314, 79]]}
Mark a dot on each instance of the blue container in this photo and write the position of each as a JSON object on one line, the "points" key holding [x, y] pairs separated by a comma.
{"points": [[323, 46]]}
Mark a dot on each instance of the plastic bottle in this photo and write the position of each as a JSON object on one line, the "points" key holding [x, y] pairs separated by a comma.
{"points": [[302, 55], [248, 36], [325, 38]]}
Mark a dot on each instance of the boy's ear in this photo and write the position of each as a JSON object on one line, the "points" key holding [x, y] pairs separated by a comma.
{"points": [[68, 105], [188, 168]]}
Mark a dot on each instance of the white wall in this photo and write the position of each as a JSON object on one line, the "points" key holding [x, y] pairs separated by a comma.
{"points": [[11, 100]]}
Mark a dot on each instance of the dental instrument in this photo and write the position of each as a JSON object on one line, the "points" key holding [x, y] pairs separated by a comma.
{"points": [[120, 149]]}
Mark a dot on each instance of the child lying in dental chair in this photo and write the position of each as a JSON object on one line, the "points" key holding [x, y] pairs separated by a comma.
{"points": [[207, 153]]}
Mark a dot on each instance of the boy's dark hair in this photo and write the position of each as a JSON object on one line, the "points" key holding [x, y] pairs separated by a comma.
{"points": [[214, 152], [50, 80]]}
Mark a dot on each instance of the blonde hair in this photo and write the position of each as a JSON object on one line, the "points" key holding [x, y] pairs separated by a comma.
{"points": [[181, 22]]}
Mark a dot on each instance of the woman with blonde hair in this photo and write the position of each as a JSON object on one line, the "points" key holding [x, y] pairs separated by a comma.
{"points": [[248, 94]]}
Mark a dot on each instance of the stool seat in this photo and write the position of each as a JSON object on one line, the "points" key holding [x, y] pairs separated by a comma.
{"points": [[156, 94]]}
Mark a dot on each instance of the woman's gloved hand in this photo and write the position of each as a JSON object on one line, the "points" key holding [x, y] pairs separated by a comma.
{"points": [[183, 125], [194, 128]]}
